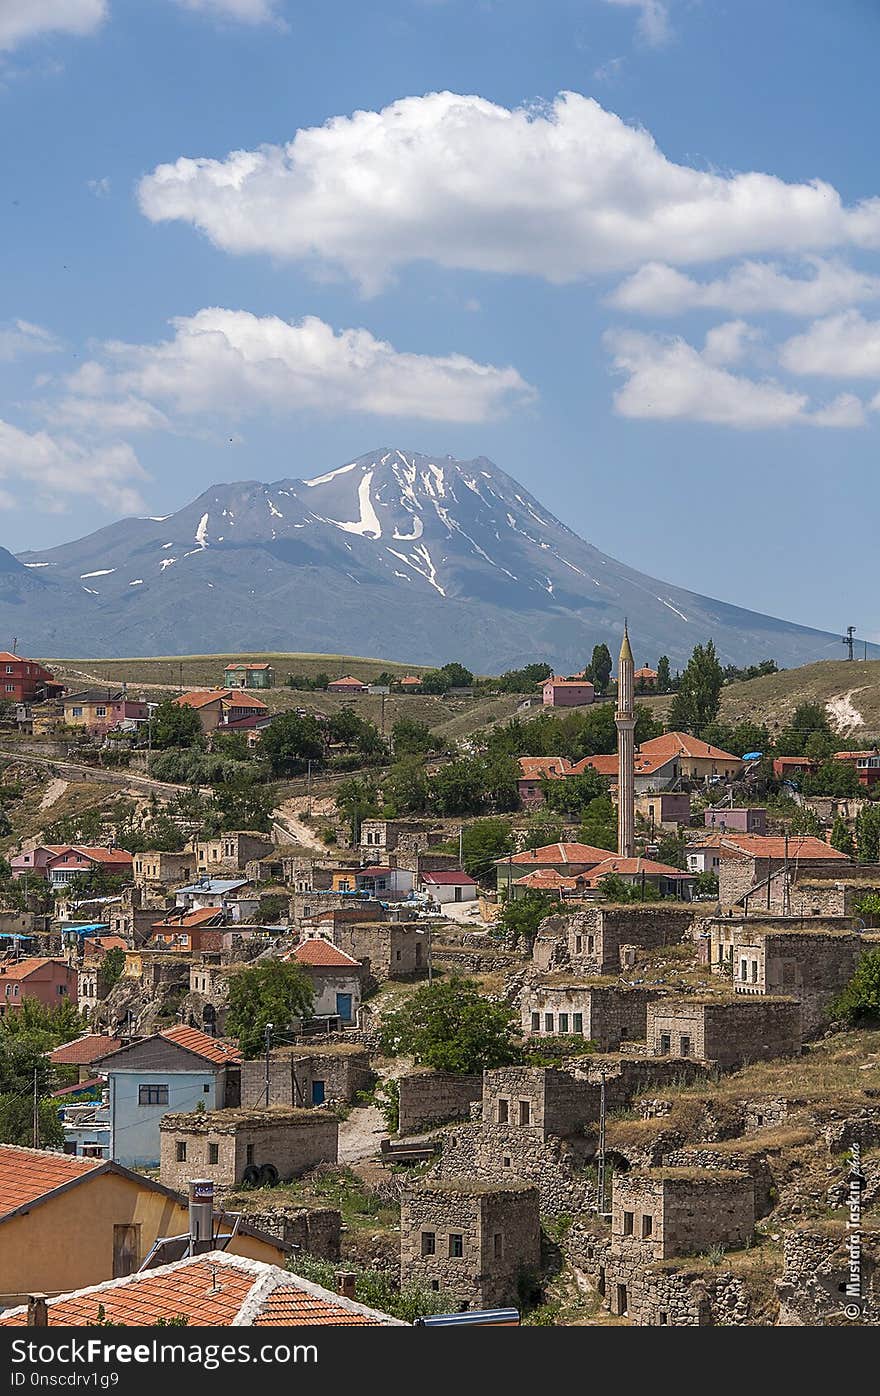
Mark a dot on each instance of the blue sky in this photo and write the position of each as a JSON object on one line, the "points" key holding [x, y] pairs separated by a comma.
{"points": [[655, 302]]}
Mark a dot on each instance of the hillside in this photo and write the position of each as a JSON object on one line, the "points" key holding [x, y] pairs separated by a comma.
{"points": [[393, 553], [849, 691]]}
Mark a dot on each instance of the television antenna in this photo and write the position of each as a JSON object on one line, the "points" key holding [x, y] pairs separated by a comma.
{"points": [[848, 640]]}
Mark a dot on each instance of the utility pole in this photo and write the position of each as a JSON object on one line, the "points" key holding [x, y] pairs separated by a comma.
{"points": [[36, 1112], [460, 847], [309, 779], [786, 889], [600, 1151], [848, 640], [430, 952], [268, 1051]]}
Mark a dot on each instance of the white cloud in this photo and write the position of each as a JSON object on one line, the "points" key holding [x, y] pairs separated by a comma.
{"points": [[843, 346], [55, 467], [106, 416], [20, 337], [99, 187], [653, 25], [21, 20], [244, 11], [728, 343], [668, 379], [234, 363], [564, 191], [748, 289]]}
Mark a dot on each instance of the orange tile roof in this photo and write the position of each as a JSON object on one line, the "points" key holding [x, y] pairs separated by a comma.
{"points": [[546, 880], [556, 853], [97, 853], [238, 698], [23, 969], [802, 847], [83, 1050], [201, 698], [190, 918], [195, 1041], [568, 683], [212, 1290], [104, 943], [534, 767], [683, 744], [26, 1174], [321, 952], [645, 673], [634, 867], [349, 681], [605, 765]]}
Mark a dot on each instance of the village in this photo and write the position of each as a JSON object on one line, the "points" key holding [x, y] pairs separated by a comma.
{"points": [[549, 1006]]}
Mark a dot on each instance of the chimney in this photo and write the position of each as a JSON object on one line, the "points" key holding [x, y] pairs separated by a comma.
{"points": [[345, 1282], [201, 1215], [38, 1311]]}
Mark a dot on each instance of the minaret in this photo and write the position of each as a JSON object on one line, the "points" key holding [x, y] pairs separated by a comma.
{"points": [[625, 721]]}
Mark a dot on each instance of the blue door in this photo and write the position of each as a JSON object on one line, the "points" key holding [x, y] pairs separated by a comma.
{"points": [[317, 1092], [343, 1007]]}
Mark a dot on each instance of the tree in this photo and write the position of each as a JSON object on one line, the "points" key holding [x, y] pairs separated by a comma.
{"points": [[574, 793], [112, 966], [356, 800], [663, 675], [706, 885], [616, 889], [291, 741], [598, 671], [522, 916], [841, 837], [272, 991], [241, 802], [809, 720], [672, 849], [542, 828], [599, 824], [806, 821], [860, 1000], [23, 1066], [410, 738], [174, 724], [451, 1026], [230, 744], [460, 787], [405, 787], [868, 833], [524, 680], [696, 703], [482, 843]]}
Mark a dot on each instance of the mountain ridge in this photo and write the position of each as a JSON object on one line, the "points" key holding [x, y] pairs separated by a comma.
{"points": [[392, 552]]}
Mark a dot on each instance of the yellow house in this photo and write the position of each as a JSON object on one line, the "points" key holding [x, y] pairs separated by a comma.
{"points": [[697, 760], [68, 1222]]}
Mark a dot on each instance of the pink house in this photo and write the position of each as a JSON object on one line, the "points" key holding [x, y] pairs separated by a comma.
{"points": [[568, 693], [60, 863], [50, 981]]}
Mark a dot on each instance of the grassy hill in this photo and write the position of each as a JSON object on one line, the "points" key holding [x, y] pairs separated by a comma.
{"points": [[849, 692], [166, 675]]}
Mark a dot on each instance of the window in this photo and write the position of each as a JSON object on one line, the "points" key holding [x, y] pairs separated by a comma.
{"points": [[548, 1022], [206, 1087], [435, 1284], [577, 1022], [100, 712], [684, 1047], [591, 944], [563, 1022], [152, 1095], [525, 1113], [506, 1161], [647, 1227], [744, 970], [213, 1153], [664, 1319], [665, 1044], [77, 712], [10, 688], [503, 1112], [578, 945], [61, 989], [498, 1245], [9, 669], [249, 1154], [536, 1022], [181, 1151], [429, 1243], [628, 1219], [755, 972], [456, 1245]]}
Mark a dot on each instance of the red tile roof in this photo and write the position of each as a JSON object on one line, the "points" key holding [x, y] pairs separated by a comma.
{"points": [[202, 698], [554, 767], [801, 847], [634, 867], [103, 943], [546, 880], [567, 683], [238, 698], [321, 952], [109, 856], [195, 1041], [84, 1050], [557, 853], [683, 744], [213, 1290], [26, 1174], [190, 918], [23, 969], [348, 682]]}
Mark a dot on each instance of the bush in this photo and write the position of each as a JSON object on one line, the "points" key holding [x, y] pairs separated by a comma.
{"points": [[860, 1000]]}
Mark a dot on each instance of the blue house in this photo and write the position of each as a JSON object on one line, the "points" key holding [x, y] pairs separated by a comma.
{"points": [[178, 1069]]}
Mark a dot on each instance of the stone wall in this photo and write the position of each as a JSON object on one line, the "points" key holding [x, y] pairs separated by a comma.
{"points": [[812, 1290], [609, 1014], [222, 1144], [543, 1100], [310, 1230], [730, 1032], [436, 1097], [671, 1212], [474, 1241], [293, 1075], [500, 1153], [386, 950], [752, 1161]]}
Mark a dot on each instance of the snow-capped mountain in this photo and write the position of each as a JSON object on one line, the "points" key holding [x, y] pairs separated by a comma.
{"points": [[395, 554]]}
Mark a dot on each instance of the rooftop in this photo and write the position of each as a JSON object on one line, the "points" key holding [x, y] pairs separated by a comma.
{"points": [[321, 952], [228, 1120], [26, 1174], [558, 853], [195, 1041], [84, 1050], [212, 1290], [683, 744]]}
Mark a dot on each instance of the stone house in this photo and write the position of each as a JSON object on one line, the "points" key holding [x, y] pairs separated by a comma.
{"points": [[335, 977], [383, 836], [592, 940], [386, 949], [303, 1076], [730, 1032], [680, 1211], [665, 809], [604, 1011], [235, 1146], [157, 866], [748, 861], [478, 1241], [809, 965], [230, 852], [435, 1097]]}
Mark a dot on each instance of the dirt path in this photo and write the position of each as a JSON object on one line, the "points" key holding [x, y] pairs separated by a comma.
{"points": [[101, 775], [288, 822], [360, 1134], [53, 792]]}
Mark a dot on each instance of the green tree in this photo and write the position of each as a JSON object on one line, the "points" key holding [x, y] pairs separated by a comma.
{"points": [[672, 850], [232, 745], [271, 991], [451, 1026], [599, 824], [836, 778], [842, 838], [598, 671], [663, 675], [241, 802], [860, 1000], [291, 741], [868, 833], [483, 842], [112, 965], [174, 724], [617, 889], [405, 788], [806, 821], [706, 885], [357, 799], [542, 828], [810, 719], [23, 1066], [410, 738], [521, 916], [696, 703], [574, 794], [460, 787]]}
